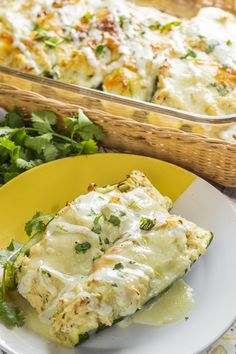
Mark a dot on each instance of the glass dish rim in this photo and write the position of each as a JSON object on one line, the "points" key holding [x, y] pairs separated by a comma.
{"points": [[130, 102]]}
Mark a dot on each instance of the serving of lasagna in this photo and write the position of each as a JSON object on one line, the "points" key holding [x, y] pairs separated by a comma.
{"points": [[125, 49], [105, 255]]}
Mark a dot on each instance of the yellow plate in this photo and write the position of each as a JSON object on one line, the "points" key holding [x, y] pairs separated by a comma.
{"points": [[48, 187]]}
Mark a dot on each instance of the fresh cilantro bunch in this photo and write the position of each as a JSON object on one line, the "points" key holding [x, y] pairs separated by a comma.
{"points": [[10, 256], [23, 147]]}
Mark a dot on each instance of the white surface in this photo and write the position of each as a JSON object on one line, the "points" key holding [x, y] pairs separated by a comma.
{"points": [[213, 281]]}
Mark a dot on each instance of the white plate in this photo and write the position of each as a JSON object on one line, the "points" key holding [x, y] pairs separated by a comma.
{"points": [[212, 278]]}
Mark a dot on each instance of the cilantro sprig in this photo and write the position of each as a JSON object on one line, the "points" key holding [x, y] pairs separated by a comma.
{"points": [[10, 315], [25, 146]]}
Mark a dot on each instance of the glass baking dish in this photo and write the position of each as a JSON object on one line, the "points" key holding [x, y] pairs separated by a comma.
{"points": [[144, 112], [218, 127]]}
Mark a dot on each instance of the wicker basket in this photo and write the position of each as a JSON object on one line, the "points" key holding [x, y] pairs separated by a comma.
{"points": [[210, 158]]}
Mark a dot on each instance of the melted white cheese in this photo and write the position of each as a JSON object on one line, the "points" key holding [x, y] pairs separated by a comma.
{"points": [[54, 266], [134, 53]]}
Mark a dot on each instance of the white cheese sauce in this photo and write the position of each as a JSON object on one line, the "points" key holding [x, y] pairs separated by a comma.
{"points": [[132, 56], [172, 306]]}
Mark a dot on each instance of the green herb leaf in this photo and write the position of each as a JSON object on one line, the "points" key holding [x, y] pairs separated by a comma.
{"points": [[118, 266], [10, 147], [43, 121], [88, 16], [211, 47], [89, 147], [22, 148], [53, 42], [10, 316], [134, 205], [96, 225], [7, 259], [38, 143], [37, 224], [41, 33], [101, 49], [114, 220], [155, 26], [190, 53], [7, 176], [9, 252], [82, 247], [25, 165], [6, 131], [83, 127], [123, 20], [229, 42], [50, 152], [146, 224], [222, 89], [168, 26], [46, 272], [14, 119], [122, 213]]}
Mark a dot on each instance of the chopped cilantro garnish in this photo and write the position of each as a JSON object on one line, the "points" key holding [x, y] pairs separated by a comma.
{"points": [[122, 213], [37, 224], [41, 34], [131, 88], [211, 47], [190, 53], [132, 262], [82, 247], [106, 241], [101, 49], [114, 285], [9, 315], [158, 274], [118, 266], [146, 224], [123, 20], [134, 205], [62, 228], [229, 42], [167, 27], [225, 67], [96, 225], [155, 26], [221, 88], [46, 272], [114, 220], [144, 240], [53, 42], [88, 16]]}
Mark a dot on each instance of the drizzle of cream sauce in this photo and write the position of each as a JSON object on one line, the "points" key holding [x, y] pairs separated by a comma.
{"points": [[172, 306], [31, 317]]}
